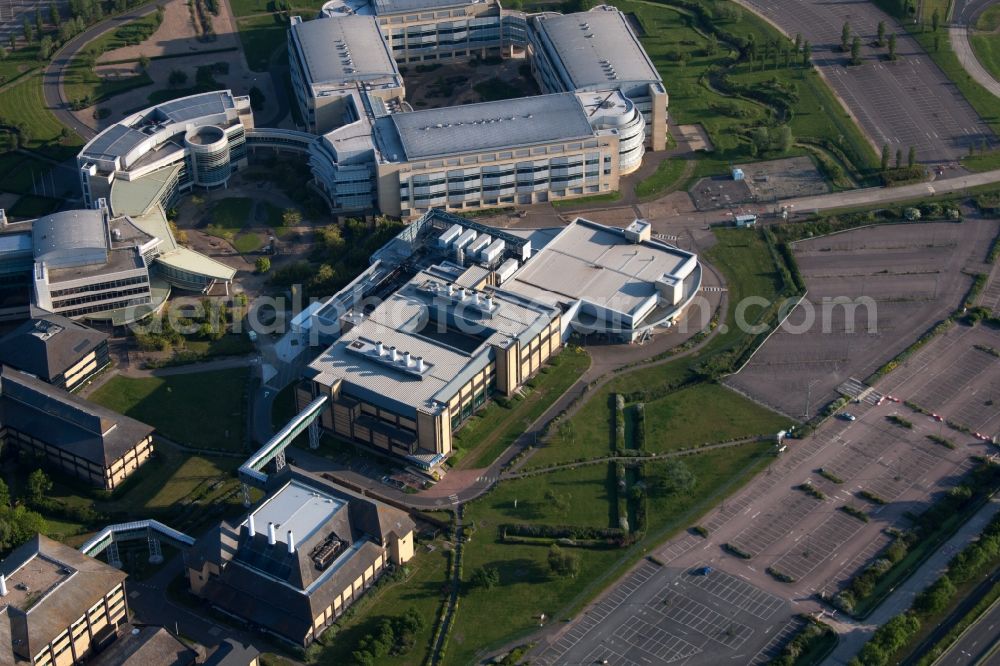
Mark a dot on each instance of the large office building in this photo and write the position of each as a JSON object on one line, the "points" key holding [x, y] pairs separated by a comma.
{"points": [[452, 312], [95, 444], [298, 561], [55, 349], [605, 103], [57, 605]]}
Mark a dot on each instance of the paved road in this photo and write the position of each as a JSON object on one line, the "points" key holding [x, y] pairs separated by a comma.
{"points": [[905, 103], [52, 77], [958, 35], [903, 597], [976, 643], [876, 195], [965, 12]]}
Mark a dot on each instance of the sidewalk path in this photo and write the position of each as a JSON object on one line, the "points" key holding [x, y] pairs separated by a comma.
{"points": [[856, 635]]}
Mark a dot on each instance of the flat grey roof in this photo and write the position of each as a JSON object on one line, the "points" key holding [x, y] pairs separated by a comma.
{"points": [[471, 128], [597, 48], [116, 141], [344, 49], [397, 6], [297, 507], [590, 262], [196, 106], [67, 231]]}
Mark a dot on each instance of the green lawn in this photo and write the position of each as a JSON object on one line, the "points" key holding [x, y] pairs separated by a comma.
{"points": [[982, 161], [584, 489], [20, 173], [421, 590], [82, 83], [248, 241], [704, 414], [231, 344], [668, 35], [205, 410], [486, 435], [989, 20], [23, 104], [497, 89], [232, 213], [667, 175], [527, 589], [262, 35], [987, 49]]}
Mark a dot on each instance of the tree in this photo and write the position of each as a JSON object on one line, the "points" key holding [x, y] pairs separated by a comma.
{"points": [[144, 62], [45, 47], [885, 157], [564, 564], [912, 158], [782, 138], [760, 140], [39, 483], [39, 22], [291, 217], [675, 479], [807, 54], [4, 495], [28, 33], [845, 37], [486, 577], [899, 157], [798, 41], [892, 46], [13, 41], [712, 47], [560, 502], [54, 15], [935, 598], [263, 264], [935, 20], [177, 78], [881, 34], [937, 43], [751, 47], [856, 51]]}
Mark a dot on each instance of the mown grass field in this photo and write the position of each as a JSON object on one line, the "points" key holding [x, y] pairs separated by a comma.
{"points": [[203, 410], [987, 49], [22, 103]]}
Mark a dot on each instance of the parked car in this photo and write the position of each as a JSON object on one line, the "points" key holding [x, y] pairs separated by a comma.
{"points": [[847, 416]]}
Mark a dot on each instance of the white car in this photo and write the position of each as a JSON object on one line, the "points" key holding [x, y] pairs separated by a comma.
{"points": [[849, 417]]}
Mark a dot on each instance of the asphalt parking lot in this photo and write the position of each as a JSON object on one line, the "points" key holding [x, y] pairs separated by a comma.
{"points": [[685, 616], [914, 274], [905, 103]]}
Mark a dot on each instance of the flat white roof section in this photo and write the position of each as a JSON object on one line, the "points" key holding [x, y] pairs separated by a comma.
{"points": [[593, 263], [297, 507]]}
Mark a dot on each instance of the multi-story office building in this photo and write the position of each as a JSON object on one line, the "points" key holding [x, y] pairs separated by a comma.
{"points": [[299, 560], [598, 50], [82, 438], [57, 605], [55, 349], [426, 30], [451, 312], [329, 59]]}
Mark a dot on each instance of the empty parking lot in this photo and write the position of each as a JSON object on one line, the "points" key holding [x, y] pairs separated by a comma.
{"points": [[913, 276], [905, 103]]}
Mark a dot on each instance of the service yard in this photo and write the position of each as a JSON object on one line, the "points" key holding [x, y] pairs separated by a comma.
{"points": [[914, 276]]}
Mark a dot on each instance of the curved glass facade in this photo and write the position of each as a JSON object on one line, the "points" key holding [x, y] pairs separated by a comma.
{"points": [[208, 149]]}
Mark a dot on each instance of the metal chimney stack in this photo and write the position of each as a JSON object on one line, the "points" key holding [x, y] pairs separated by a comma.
{"points": [[250, 525], [406, 359], [271, 540], [291, 543], [3, 585]]}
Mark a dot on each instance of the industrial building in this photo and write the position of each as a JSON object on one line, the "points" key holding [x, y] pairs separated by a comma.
{"points": [[57, 605], [297, 561], [88, 441], [451, 312], [55, 349]]}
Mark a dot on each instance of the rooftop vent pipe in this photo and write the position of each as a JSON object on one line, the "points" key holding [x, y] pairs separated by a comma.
{"points": [[271, 540]]}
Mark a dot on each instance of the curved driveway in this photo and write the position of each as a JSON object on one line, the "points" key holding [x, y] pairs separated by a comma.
{"points": [[52, 77], [964, 16]]}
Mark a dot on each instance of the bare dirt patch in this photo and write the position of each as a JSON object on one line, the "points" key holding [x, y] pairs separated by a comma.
{"points": [[914, 274], [696, 137]]}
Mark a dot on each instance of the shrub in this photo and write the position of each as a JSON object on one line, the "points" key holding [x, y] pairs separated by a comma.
{"points": [[855, 512]]}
